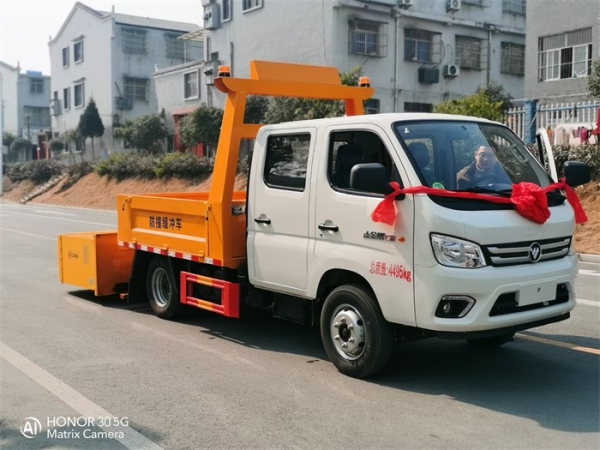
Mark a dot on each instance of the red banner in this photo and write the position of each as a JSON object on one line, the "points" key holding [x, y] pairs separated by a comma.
{"points": [[527, 198]]}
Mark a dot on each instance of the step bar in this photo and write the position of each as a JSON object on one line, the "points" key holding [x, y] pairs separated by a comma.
{"points": [[230, 297]]}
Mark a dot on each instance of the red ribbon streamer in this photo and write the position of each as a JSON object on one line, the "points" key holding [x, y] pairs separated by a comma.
{"points": [[527, 198]]}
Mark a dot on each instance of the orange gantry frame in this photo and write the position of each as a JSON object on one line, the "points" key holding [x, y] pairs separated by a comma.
{"points": [[266, 79]]}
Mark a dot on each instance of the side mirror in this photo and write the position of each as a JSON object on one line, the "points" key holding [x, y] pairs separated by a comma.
{"points": [[370, 177], [576, 173]]}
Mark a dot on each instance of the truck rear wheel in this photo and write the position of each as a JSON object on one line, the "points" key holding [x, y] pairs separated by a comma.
{"points": [[356, 337], [491, 342], [162, 292]]}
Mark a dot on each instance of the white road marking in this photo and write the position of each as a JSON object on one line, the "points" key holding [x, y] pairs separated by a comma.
{"points": [[589, 272], [54, 212], [81, 404], [587, 302], [65, 219], [30, 234]]}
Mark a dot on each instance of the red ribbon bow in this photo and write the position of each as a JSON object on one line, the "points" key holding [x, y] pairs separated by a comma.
{"points": [[528, 199]]}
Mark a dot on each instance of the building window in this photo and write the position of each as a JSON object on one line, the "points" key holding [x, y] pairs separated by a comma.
{"points": [[470, 53], [78, 51], [78, 92], [65, 56], [512, 60], [248, 5], [38, 117], [134, 41], [418, 107], [367, 37], [514, 6], [372, 106], [175, 47], [190, 85], [36, 85], [66, 98], [136, 89], [422, 46], [226, 10], [566, 55]]}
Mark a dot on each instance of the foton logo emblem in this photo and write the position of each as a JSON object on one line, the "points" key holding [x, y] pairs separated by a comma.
{"points": [[535, 252], [72, 255]]}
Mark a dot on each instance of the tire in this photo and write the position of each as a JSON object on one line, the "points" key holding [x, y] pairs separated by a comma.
{"points": [[356, 337], [491, 342], [161, 288]]}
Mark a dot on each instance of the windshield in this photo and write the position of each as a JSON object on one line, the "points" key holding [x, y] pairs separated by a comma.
{"points": [[468, 156]]}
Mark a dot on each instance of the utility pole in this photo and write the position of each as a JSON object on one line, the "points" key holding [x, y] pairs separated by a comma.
{"points": [[28, 118]]}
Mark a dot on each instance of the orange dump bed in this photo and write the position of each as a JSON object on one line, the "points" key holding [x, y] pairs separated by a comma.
{"points": [[183, 225]]}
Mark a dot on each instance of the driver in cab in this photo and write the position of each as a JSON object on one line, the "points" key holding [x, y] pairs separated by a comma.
{"points": [[484, 171]]}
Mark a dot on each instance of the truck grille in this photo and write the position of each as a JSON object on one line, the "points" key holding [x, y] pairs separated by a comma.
{"points": [[519, 252]]}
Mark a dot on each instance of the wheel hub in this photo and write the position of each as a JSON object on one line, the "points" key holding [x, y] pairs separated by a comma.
{"points": [[161, 287], [347, 332]]}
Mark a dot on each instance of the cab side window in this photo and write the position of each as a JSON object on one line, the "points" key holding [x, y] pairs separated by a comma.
{"points": [[349, 148], [286, 161]]}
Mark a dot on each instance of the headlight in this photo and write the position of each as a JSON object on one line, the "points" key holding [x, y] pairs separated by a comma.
{"points": [[455, 252], [572, 248]]}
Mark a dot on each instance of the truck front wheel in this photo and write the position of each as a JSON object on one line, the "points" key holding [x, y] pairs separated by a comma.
{"points": [[356, 337], [162, 293]]}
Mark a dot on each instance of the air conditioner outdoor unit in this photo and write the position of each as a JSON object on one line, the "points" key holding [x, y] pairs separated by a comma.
{"points": [[451, 71], [406, 2], [124, 103], [212, 16], [453, 5], [55, 107]]}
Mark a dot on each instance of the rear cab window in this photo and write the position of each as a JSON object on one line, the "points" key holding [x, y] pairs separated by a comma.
{"points": [[286, 161]]}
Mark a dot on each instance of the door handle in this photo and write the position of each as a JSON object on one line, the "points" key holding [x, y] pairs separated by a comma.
{"points": [[329, 227], [264, 220]]}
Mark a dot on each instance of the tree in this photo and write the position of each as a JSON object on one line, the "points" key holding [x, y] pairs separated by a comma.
{"points": [[90, 124], [146, 133], [56, 145], [20, 146], [287, 109], [70, 138], [477, 105], [594, 79], [256, 108], [201, 126], [495, 93], [8, 138]]}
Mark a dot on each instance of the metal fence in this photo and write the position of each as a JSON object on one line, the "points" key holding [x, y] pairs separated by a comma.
{"points": [[553, 114]]}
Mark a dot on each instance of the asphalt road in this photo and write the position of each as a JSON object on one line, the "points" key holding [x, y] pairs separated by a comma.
{"points": [[216, 383]]}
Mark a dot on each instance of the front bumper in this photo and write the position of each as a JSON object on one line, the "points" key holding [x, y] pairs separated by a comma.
{"points": [[486, 285]]}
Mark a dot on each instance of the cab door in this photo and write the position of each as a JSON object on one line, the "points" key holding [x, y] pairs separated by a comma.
{"points": [[346, 238], [278, 213], [545, 152]]}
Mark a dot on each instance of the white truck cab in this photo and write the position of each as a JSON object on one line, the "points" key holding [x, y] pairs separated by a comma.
{"points": [[448, 267]]}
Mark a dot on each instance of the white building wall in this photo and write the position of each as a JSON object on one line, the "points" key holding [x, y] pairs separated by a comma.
{"points": [[318, 34], [94, 70], [10, 78], [170, 90]]}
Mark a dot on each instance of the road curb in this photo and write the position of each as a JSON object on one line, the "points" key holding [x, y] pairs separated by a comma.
{"points": [[584, 257]]}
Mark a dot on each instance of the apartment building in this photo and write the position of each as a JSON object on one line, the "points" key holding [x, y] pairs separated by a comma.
{"points": [[417, 53], [111, 57]]}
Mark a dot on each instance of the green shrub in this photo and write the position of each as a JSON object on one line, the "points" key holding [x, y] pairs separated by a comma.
{"points": [[75, 173], [184, 165], [128, 165], [589, 154], [38, 171]]}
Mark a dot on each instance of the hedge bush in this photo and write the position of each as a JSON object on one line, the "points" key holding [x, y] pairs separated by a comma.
{"points": [[589, 154], [128, 165], [184, 165], [38, 171]]}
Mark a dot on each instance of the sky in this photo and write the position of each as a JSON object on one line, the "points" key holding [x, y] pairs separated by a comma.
{"points": [[27, 25]]}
